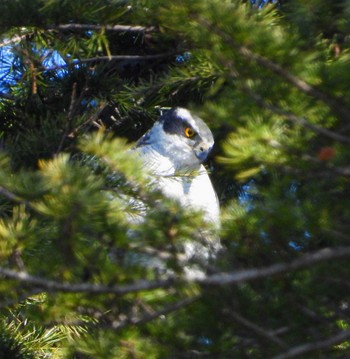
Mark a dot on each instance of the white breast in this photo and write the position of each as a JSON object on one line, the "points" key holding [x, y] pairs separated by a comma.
{"points": [[193, 191], [192, 188]]}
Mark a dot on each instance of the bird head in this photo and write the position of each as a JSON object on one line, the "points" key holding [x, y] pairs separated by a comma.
{"points": [[181, 137]]}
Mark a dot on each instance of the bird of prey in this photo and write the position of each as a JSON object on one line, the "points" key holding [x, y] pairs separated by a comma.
{"points": [[173, 151]]}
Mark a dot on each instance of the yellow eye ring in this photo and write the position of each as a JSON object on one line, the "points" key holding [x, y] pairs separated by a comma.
{"points": [[189, 132]]}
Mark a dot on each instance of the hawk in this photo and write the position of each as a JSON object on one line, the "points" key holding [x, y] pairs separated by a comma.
{"points": [[173, 152]]}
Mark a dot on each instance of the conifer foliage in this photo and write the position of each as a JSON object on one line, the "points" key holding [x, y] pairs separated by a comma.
{"points": [[80, 81]]}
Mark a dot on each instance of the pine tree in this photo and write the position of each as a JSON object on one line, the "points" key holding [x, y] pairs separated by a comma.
{"points": [[80, 81]]}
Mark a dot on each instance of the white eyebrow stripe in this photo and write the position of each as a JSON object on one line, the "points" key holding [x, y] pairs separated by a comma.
{"points": [[186, 115], [183, 113]]}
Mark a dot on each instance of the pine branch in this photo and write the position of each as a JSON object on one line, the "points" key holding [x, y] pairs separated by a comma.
{"points": [[335, 104], [296, 119], [311, 347]]}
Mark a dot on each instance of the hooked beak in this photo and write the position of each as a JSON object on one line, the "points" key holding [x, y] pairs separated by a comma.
{"points": [[202, 151]]}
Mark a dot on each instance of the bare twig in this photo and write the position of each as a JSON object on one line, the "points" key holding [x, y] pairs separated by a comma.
{"points": [[7, 96], [157, 314], [310, 347], [13, 40], [69, 117], [105, 320], [127, 57], [91, 27], [328, 170], [343, 171], [262, 332], [91, 120], [316, 317], [9, 195], [21, 298], [84, 27], [341, 282], [161, 254], [70, 62], [72, 102], [304, 261]]}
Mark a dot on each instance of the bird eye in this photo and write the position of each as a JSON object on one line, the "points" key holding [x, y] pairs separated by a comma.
{"points": [[189, 132]]}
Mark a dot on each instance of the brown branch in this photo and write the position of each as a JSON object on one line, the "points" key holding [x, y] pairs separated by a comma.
{"points": [[149, 317], [310, 347], [108, 321], [219, 279], [262, 332], [126, 57], [70, 62], [7, 96], [91, 120], [84, 27], [21, 298], [13, 197], [13, 40], [327, 171], [10, 195], [116, 28], [161, 254], [55, 286], [69, 117], [335, 104], [343, 171]]}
